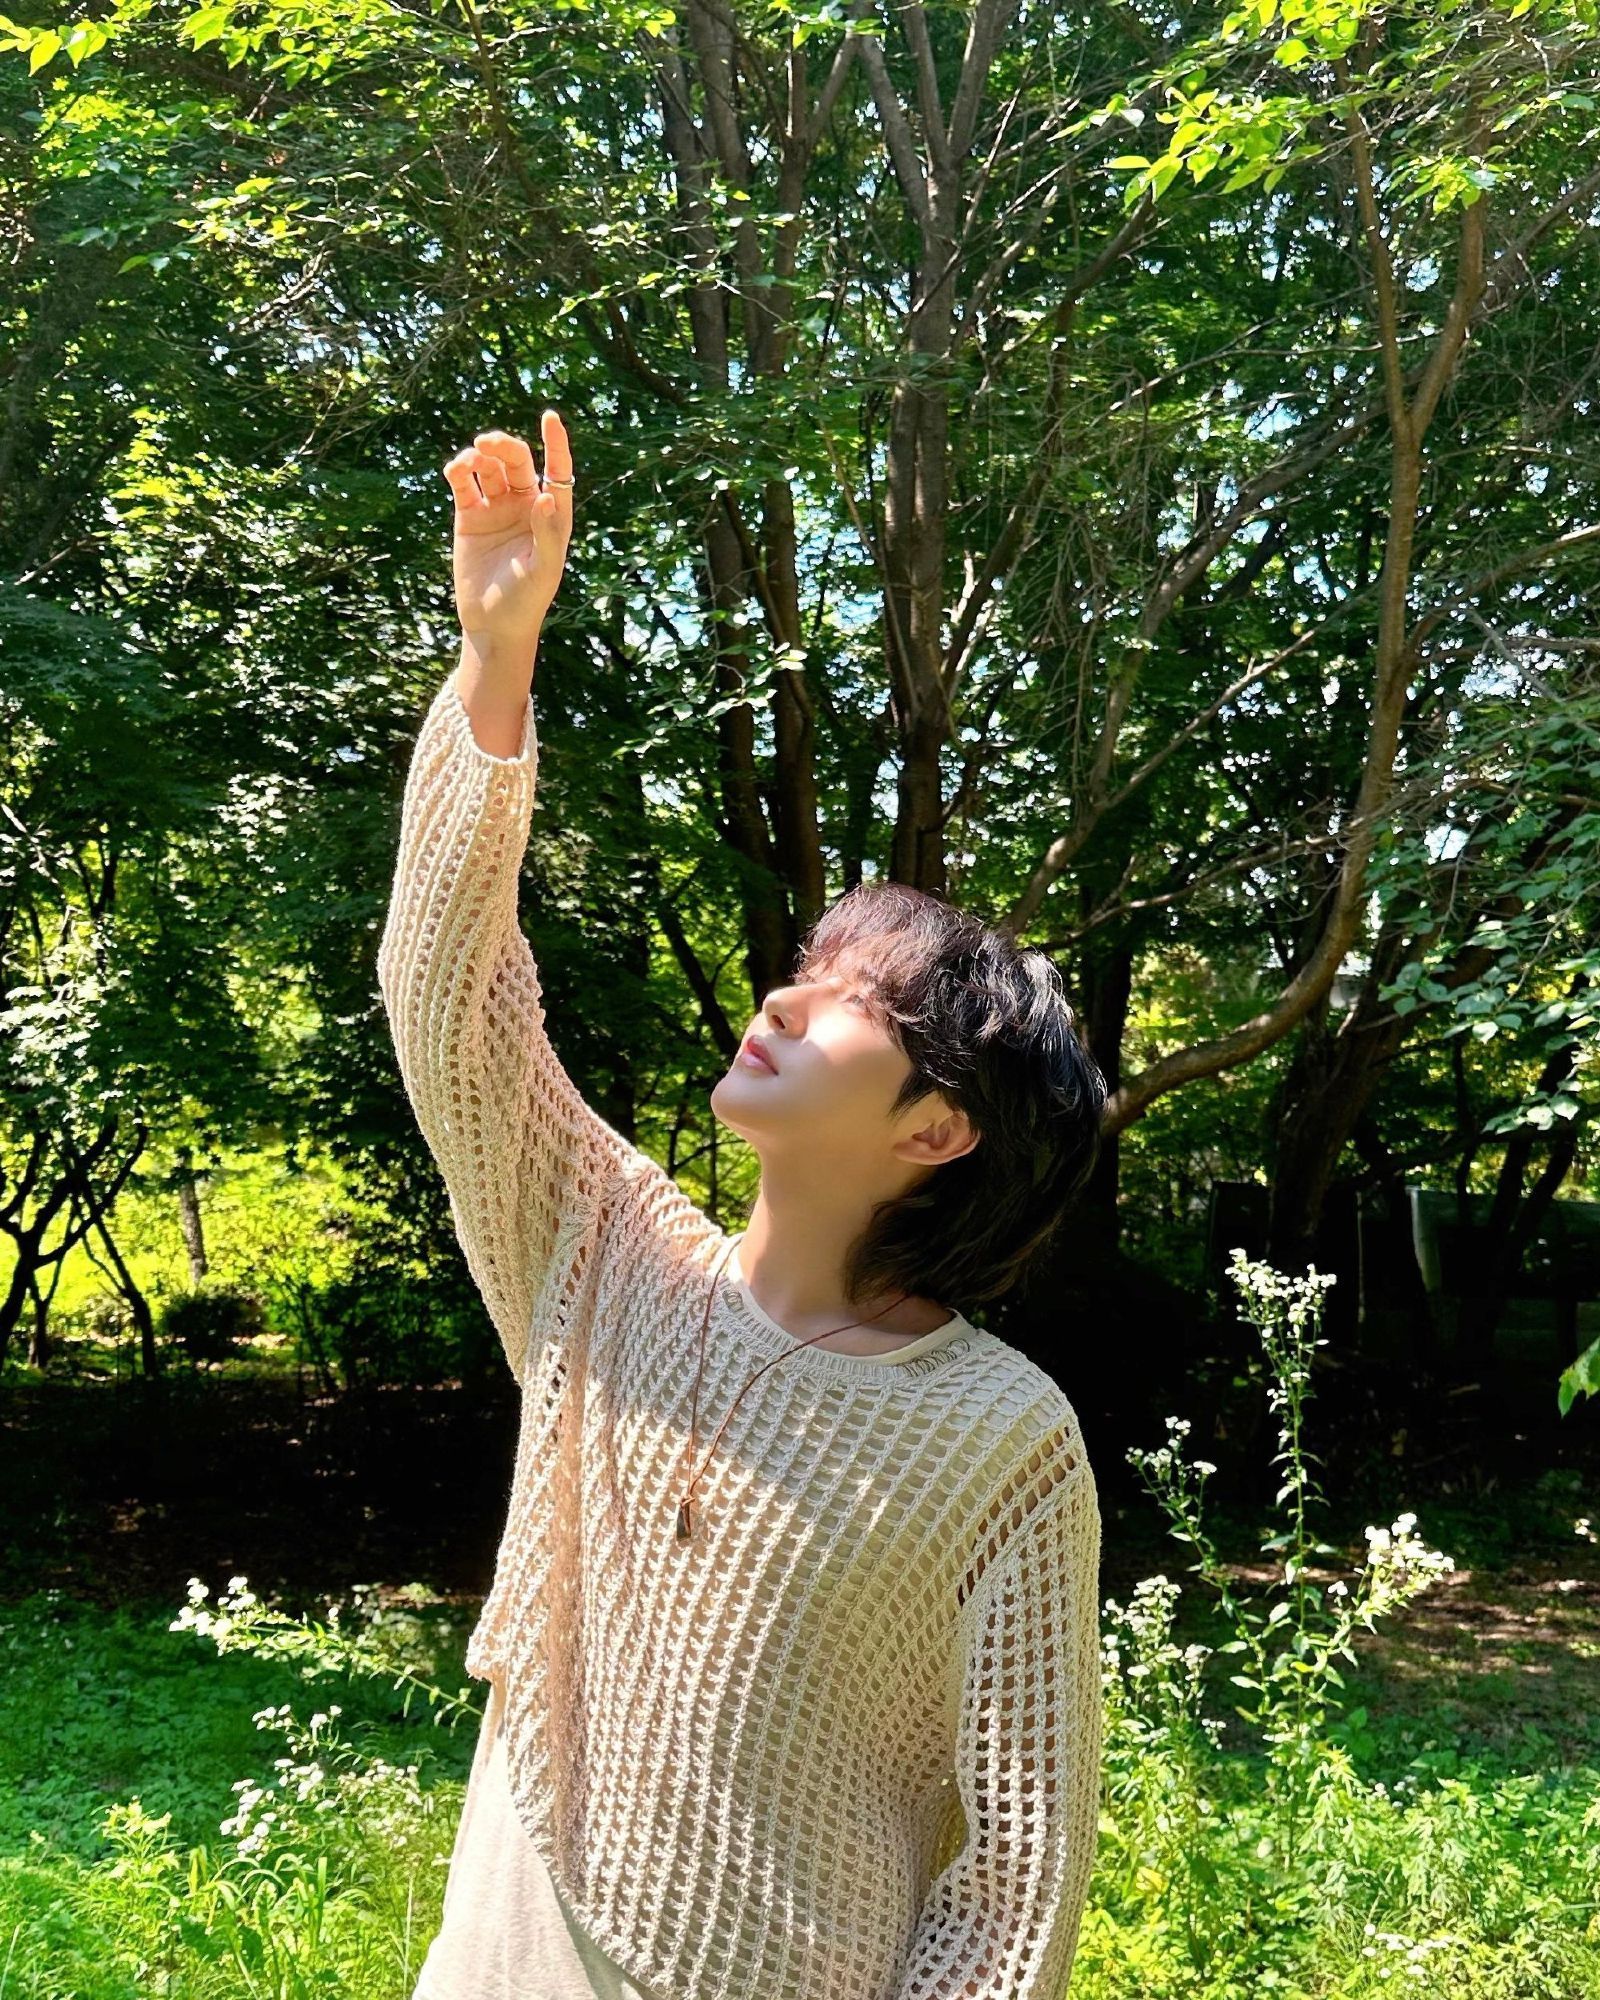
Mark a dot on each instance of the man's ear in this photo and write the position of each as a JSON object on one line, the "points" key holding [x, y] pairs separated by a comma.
{"points": [[947, 1134]]}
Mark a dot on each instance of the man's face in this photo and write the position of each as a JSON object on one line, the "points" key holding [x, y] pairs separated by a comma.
{"points": [[836, 1070]]}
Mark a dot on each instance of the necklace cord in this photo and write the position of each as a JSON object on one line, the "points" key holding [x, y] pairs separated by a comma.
{"points": [[686, 1504]]}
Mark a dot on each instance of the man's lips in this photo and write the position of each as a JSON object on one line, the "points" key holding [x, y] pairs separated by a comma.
{"points": [[755, 1054]]}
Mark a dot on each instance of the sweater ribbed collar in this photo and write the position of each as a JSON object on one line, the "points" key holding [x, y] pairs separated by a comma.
{"points": [[930, 1350]]}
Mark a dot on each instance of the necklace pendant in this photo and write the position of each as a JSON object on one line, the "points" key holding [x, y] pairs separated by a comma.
{"points": [[685, 1521]]}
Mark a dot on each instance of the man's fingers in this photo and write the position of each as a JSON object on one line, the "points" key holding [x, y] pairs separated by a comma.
{"points": [[491, 475], [511, 453], [462, 482], [498, 463], [557, 449]]}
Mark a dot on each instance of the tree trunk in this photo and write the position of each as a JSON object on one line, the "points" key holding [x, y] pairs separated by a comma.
{"points": [[1107, 990], [138, 1304], [769, 927], [915, 547], [1333, 1073], [194, 1241], [39, 1330], [25, 1244]]}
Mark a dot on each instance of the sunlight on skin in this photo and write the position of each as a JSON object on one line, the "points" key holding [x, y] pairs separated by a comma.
{"points": [[829, 1151]]}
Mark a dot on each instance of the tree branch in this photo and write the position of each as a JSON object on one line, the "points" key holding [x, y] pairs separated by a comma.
{"points": [[897, 137]]}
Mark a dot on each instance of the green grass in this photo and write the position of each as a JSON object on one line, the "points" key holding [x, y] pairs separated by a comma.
{"points": [[105, 1708], [101, 1705], [1454, 1857]]}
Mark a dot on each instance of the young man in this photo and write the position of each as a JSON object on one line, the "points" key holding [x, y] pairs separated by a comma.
{"points": [[793, 1640]]}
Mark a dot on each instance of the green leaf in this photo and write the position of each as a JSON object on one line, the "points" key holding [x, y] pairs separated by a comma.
{"points": [[206, 26], [1581, 1379], [85, 38]]}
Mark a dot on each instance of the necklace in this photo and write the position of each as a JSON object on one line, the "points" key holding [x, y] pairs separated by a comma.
{"points": [[685, 1530]]}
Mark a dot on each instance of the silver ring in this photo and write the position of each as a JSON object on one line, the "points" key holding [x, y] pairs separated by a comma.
{"points": [[554, 482]]}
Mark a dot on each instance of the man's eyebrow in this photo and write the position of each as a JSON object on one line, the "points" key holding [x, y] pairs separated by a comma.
{"points": [[855, 977], [838, 975]]}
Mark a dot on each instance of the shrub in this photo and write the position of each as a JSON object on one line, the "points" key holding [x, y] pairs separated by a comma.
{"points": [[209, 1322]]}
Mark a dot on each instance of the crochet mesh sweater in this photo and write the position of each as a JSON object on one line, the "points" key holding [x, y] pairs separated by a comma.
{"points": [[845, 1743]]}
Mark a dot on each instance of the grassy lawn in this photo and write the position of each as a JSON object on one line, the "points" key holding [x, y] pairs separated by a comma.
{"points": [[103, 1705]]}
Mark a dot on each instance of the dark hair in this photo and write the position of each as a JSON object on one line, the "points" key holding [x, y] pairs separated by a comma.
{"points": [[986, 1022]]}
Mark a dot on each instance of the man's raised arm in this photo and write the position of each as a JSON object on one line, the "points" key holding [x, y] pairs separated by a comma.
{"points": [[524, 1158]]}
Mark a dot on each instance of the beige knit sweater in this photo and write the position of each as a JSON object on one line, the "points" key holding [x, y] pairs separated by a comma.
{"points": [[845, 1743]]}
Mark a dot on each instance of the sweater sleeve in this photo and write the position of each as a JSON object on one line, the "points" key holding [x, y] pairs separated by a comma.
{"points": [[524, 1158], [1001, 1921]]}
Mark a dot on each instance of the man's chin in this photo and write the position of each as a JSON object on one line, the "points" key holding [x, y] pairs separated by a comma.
{"points": [[718, 1101], [726, 1109]]}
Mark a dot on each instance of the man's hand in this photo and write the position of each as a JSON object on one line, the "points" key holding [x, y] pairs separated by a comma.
{"points": [[510, 539]]}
